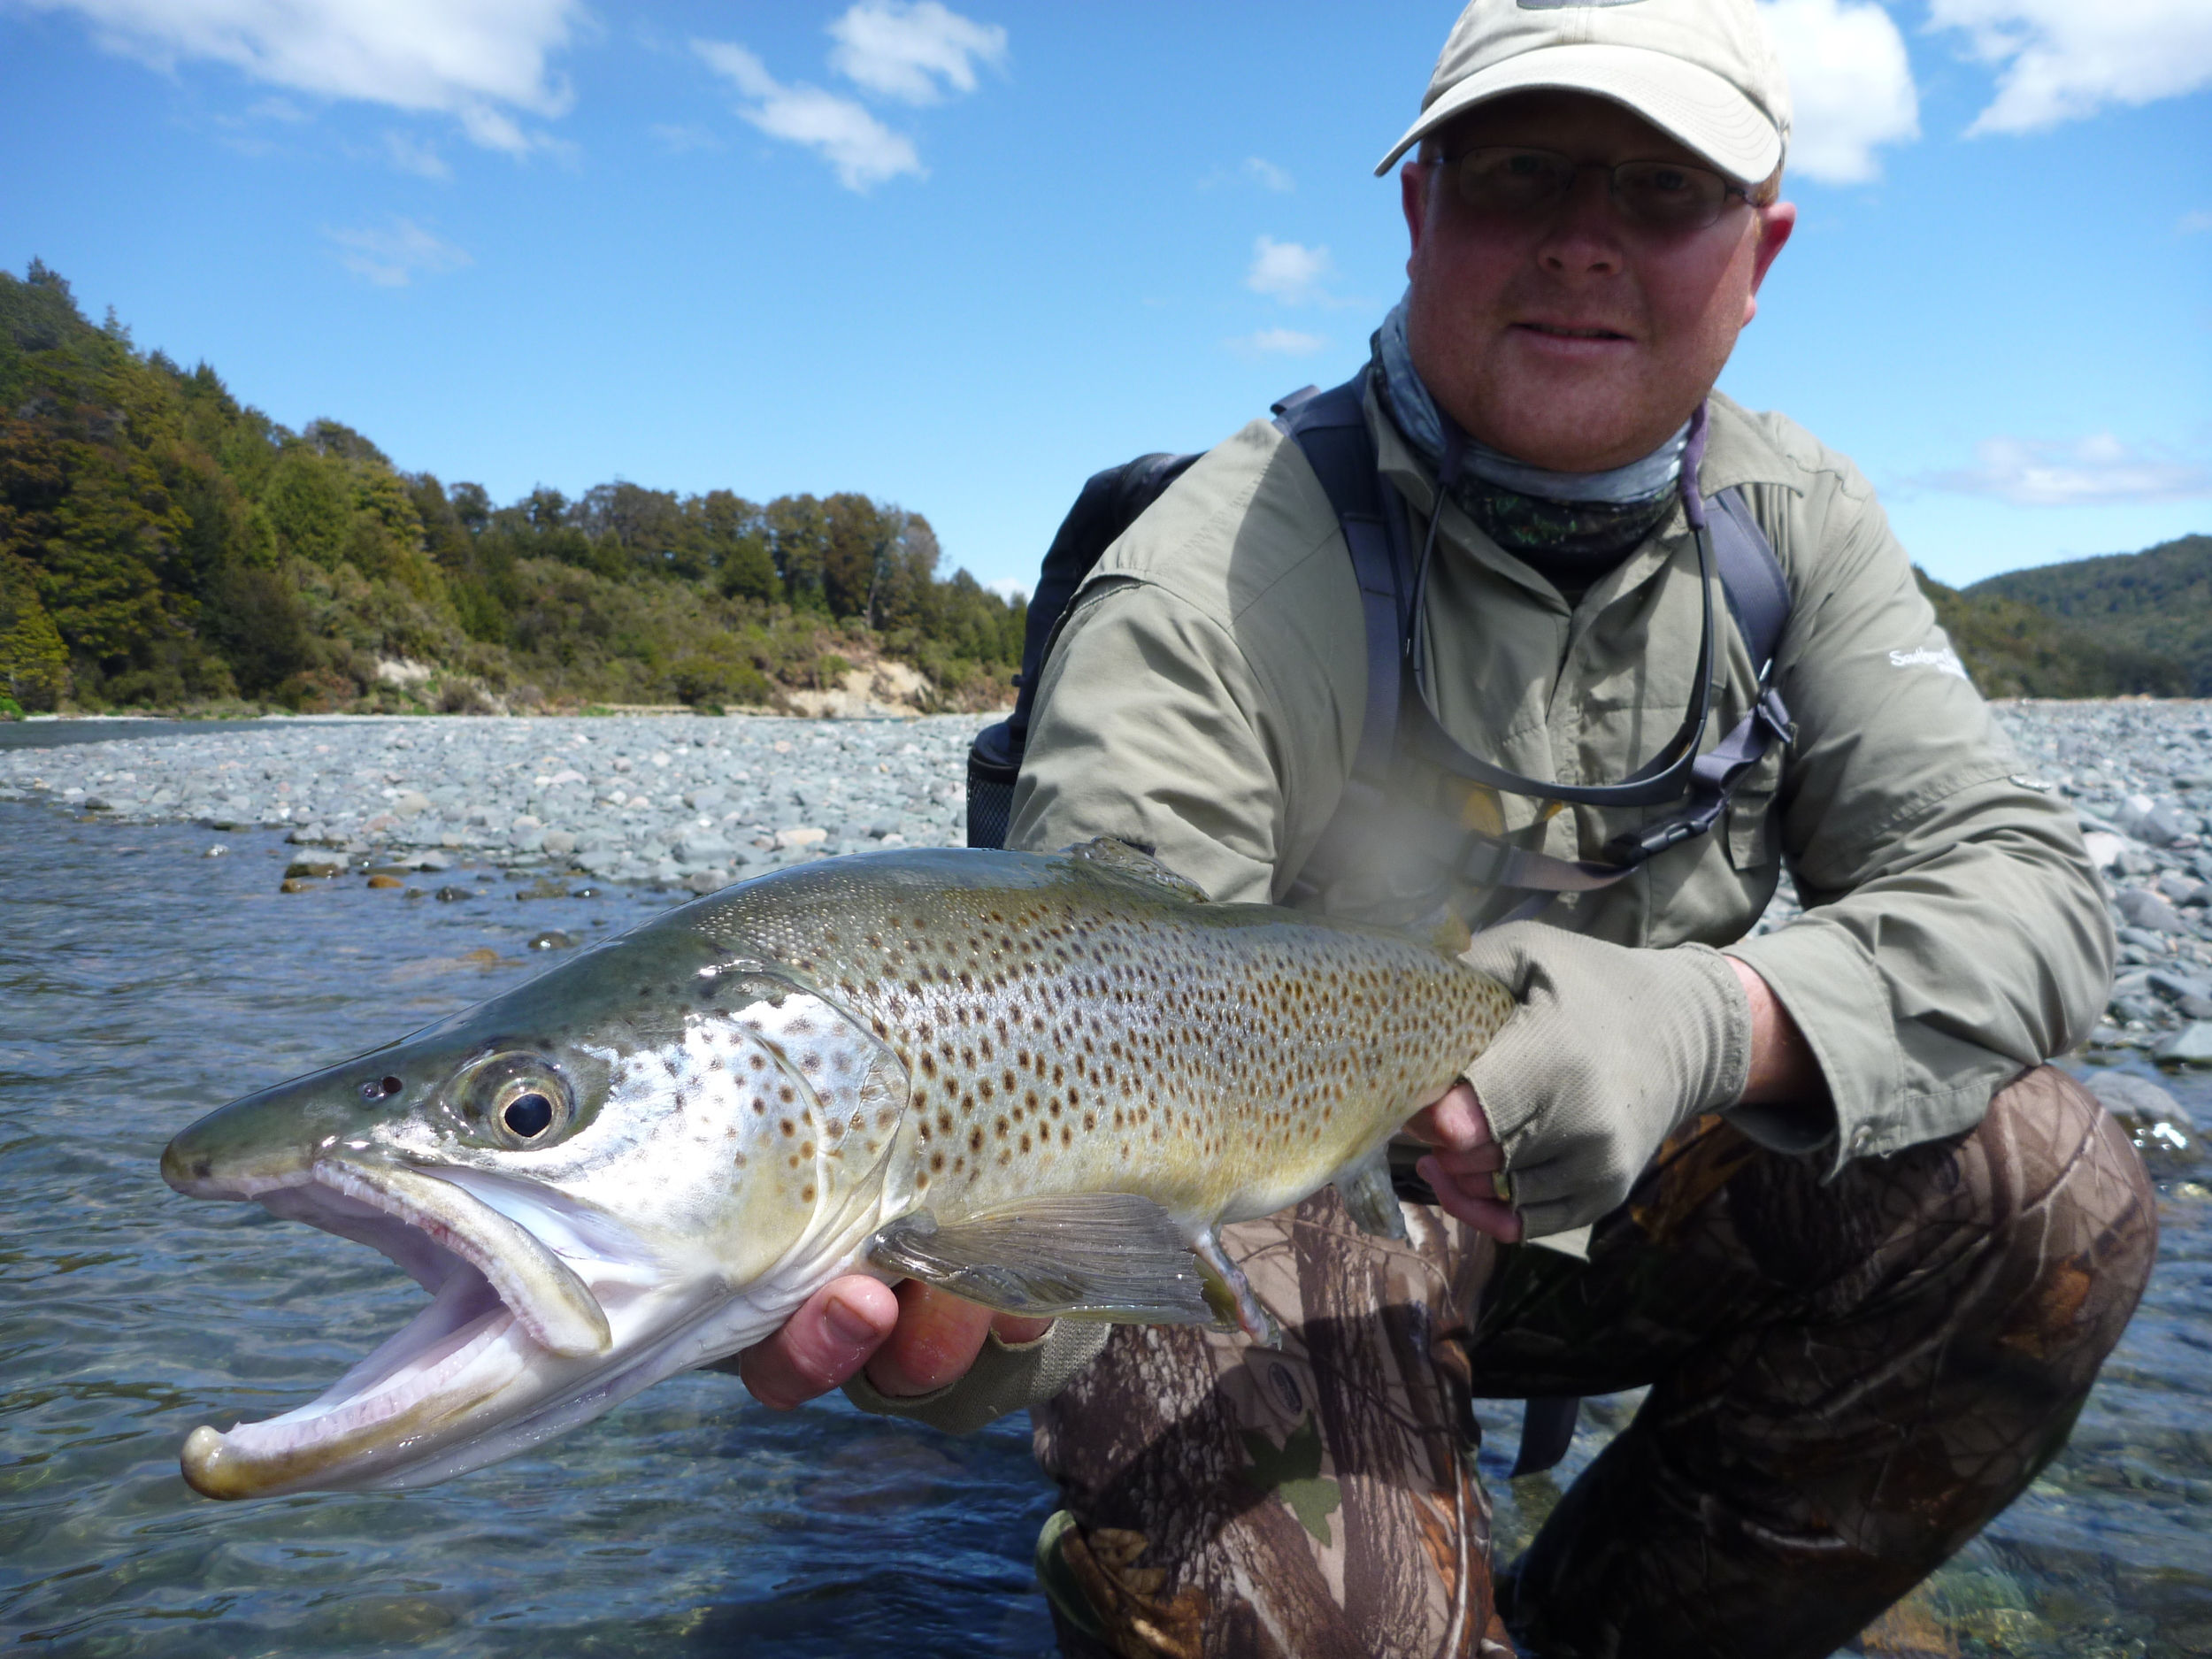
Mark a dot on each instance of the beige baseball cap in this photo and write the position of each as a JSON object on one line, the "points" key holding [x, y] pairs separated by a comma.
{"points": [[1704, 70]]}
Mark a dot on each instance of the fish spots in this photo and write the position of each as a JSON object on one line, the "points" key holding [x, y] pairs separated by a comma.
{"points": [[788, 1128], [806, 1194]]}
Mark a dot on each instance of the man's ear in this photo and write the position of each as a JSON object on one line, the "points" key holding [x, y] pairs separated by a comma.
{"points": [[1413, 196], [1777, 221]]}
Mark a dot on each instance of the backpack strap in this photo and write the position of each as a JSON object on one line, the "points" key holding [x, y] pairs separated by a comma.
{"points": [[1330, 427]]}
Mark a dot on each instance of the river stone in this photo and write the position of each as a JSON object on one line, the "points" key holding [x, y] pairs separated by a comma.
{"points": [[559, 842], [2192, 1045], [703, 847], [2141, 1009], [412, 804], [801, 835], [2168, 983], [2145, 909]]}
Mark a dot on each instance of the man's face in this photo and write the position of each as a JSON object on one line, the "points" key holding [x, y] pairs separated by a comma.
{"points": [[1573, 339]]}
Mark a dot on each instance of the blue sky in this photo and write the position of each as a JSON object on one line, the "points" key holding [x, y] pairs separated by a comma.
{"points": [[959, 258]]}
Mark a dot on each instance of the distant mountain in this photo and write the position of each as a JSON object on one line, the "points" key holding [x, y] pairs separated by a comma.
{"points": [[2149, 608]]}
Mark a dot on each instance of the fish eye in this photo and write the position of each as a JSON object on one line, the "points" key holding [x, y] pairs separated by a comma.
{"points": [[522, 1100], [527, 1115]]}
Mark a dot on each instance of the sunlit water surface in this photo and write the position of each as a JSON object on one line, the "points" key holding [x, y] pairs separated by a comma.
{"points": [[142, 983]]}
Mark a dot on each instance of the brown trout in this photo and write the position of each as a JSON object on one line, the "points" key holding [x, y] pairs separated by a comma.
{"points": [[1042, 1082]]}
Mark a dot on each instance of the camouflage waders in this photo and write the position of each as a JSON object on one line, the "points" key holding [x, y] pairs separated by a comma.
{"points": [[1848, 1380]]}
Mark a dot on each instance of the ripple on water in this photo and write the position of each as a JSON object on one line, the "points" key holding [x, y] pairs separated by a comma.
{"points": [[139, 993]]}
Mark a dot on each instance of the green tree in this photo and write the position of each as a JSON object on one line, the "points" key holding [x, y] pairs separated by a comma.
{"points": [[34, 662]]}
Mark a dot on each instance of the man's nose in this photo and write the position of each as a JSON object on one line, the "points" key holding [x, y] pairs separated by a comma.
{"points": [[1584, 235]]}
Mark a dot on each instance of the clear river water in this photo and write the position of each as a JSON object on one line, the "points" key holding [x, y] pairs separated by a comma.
{"points": [[143, 983]]}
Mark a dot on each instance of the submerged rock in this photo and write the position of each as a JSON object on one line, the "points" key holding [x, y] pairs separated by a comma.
{"points": [[2161, 1127]]}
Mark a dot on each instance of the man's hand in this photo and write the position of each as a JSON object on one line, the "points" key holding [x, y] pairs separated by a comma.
{"points": [[1611, 1048], [913, 1341], [1464, 1168]]}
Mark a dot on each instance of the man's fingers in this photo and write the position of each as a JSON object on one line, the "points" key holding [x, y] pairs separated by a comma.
{"points": [[1486, 1159], [825, 1341], [937, 1340], [1454, 1123], [1474, 1200]]}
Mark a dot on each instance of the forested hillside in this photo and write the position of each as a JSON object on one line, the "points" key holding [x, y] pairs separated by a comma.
{"points": [[2013, 649], [2155, 605], [162, 545]]}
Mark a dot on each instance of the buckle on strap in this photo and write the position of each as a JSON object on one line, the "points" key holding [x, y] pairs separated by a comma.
{"points": [[1773, 713]]}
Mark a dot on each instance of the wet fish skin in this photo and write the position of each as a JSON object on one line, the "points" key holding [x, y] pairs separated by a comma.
{"points": [[749, 1090]]}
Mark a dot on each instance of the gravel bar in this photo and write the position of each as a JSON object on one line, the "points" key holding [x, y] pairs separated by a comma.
{"points": [[698, 801], [695, 800]]}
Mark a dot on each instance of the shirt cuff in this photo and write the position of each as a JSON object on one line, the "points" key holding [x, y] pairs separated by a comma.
{"points": [[1006, 1377], [1824, 979]]}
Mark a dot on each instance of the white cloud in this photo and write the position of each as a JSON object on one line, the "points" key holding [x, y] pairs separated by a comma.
{"points": [[1287, 271], [1252, 170], [2193, 222], [862, 150], [409, 154], [473, 59], [393, 255], [1851, 84], [2061, 60], [680, 140], [1277, 342], [1010, 588], [2099, 469], [913, 53]]}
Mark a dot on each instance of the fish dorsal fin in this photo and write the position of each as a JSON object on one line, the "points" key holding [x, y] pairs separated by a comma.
{"points": [[1125, 860], [1099, 1255]]}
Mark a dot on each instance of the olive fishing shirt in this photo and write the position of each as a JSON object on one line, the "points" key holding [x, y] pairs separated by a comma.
{"points": [[1206, 695]]}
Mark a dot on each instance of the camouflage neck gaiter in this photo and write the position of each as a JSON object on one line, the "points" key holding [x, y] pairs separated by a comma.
{"points": [[1572, 527]]}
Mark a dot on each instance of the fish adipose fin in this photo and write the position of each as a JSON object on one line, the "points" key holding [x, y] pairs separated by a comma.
{"points": [[1100, 1256], [1133, 861], [1370, 1198]]}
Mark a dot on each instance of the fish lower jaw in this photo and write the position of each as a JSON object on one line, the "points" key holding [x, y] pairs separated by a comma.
{"points": [[425, 1378]]}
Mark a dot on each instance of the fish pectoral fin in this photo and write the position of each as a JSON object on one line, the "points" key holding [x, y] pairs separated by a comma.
{"points": [[1369, 1195], [1099, 1255], [1122, 860]]}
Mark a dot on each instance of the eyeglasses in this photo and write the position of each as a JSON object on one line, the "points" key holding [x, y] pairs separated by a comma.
{"points": [[1666, 197]]}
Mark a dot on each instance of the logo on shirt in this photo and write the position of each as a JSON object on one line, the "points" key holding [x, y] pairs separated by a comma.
{"points": [[1946, 660]]}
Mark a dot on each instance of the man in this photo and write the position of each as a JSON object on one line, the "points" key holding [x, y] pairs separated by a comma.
{"points": [[1866, 1251]]}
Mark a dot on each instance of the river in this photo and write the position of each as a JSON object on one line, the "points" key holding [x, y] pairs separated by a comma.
{"points": [[143, 982]]}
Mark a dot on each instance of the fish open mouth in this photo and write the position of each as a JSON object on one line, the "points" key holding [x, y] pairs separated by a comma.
{"points": [[508, 1318]]}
